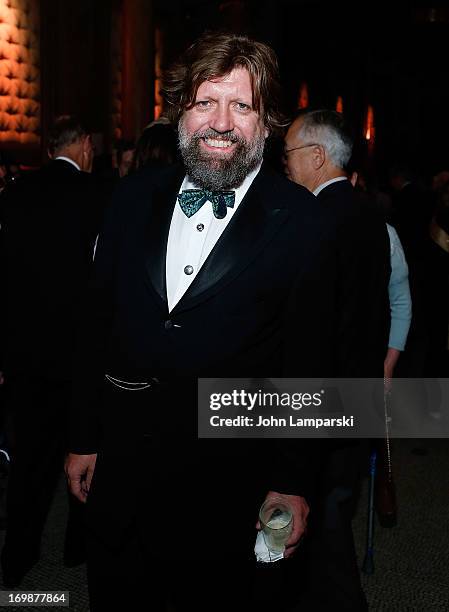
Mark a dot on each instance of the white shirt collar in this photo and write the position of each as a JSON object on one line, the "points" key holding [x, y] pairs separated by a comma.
{"points": [[329, 182], [67, 159], [240, 192], [191, 240]]}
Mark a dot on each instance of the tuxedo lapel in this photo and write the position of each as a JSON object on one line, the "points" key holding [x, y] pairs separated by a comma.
{"points": [[164, 200], [255, 222]]}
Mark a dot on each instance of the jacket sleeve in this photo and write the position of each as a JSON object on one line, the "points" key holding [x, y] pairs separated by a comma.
{"points": [[94, 333], [308, 352]]}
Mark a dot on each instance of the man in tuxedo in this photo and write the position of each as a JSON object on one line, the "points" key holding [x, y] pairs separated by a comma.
{"points": [[49, 222], [220, 268], [317, 148]]}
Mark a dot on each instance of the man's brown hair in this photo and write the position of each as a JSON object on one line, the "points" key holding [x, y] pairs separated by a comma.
{"points": [[215, 55]]}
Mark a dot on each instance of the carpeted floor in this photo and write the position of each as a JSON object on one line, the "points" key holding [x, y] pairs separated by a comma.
{"points": [[411, 560]]}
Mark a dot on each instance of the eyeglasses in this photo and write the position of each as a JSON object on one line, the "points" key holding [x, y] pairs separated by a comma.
{"points": [[312, 144]]}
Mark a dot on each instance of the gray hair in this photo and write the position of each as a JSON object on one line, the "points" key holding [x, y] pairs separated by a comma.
{"points": [[65, 130], [327, 128]]}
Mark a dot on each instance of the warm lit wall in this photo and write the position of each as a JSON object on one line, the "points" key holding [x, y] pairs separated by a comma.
{"points": [[19, 72], [137, 67], [116, 71]]}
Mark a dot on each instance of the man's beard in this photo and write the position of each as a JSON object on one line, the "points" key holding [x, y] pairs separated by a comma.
{"points": [[219, 172]]}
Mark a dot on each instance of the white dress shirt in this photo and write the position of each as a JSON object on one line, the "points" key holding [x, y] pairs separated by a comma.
{"points": [[191, 239], [323, 185]]}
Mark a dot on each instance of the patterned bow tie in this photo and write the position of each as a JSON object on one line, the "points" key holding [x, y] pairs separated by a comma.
{"points": [[191, 200]]}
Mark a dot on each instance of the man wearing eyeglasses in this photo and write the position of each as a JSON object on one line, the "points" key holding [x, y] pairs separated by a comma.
{"points": [[317, 149]]}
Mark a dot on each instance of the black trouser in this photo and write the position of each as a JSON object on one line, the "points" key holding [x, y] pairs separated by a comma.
{"points": [[125, 578], [39, 412], [209, 500], [328, 564], [190, 546]]}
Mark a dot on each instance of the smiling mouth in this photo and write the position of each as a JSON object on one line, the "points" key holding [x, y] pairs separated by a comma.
{"points": [[218, 143]]}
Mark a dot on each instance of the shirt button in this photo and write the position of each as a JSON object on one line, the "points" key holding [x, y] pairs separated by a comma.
{"points": [[168, 324], [200, 227], [188, 270]]}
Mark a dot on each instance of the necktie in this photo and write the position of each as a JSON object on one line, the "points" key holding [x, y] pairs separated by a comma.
{"points": [[191, 200]]}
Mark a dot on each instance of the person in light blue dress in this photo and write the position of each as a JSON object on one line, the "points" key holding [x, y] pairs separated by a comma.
{"points": [[400, 303], [400, 320], [398, 290]]}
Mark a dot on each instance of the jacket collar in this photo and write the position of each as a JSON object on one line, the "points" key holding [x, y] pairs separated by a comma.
{"points": [[255, 222]]}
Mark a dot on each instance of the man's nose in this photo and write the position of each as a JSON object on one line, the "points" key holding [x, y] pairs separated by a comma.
{"points": [[222, 120]]}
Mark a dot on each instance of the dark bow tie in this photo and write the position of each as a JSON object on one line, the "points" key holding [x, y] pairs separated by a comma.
{"points": [[191, 200]]}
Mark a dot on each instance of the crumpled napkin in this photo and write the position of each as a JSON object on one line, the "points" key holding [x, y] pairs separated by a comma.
{"points": [[262, 553]]}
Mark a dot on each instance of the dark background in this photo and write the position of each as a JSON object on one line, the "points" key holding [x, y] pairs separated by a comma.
{"points": [[393, 57]]}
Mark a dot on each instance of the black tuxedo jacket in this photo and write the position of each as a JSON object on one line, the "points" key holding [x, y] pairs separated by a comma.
{"points": [[363, 272], [264, 304], [49, 222]]}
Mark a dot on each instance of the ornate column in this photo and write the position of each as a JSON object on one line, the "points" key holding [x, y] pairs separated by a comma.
{"points": [[137, 67]]}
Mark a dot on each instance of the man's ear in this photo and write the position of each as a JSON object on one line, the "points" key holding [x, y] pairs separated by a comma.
{"points": [[318, 156], [86, 155], [87, 144]]}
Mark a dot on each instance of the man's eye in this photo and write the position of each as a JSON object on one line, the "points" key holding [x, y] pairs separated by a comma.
{"points": [[203, 103], [243, 107]]}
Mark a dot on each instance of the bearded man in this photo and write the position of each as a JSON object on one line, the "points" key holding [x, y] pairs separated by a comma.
{"points": [[221, 268]]}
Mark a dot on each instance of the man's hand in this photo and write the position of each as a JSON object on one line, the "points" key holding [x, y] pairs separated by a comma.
{"points": [[300, 509], [79, 470]]}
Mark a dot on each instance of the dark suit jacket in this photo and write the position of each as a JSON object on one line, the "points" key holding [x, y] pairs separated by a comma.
{"points": [[259, 307], [411, 215], [362, 272], [50, 219], [362, 261]]}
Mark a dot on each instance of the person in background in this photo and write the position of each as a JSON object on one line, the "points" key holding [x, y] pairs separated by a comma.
{"points": [[3, 174], [10, 172], [400, 319], [411, 212], [440, 181], [124, 151], [398, 289], [49, 221], [400, 304], [438, 287], [157, 145], [317, 150]]}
